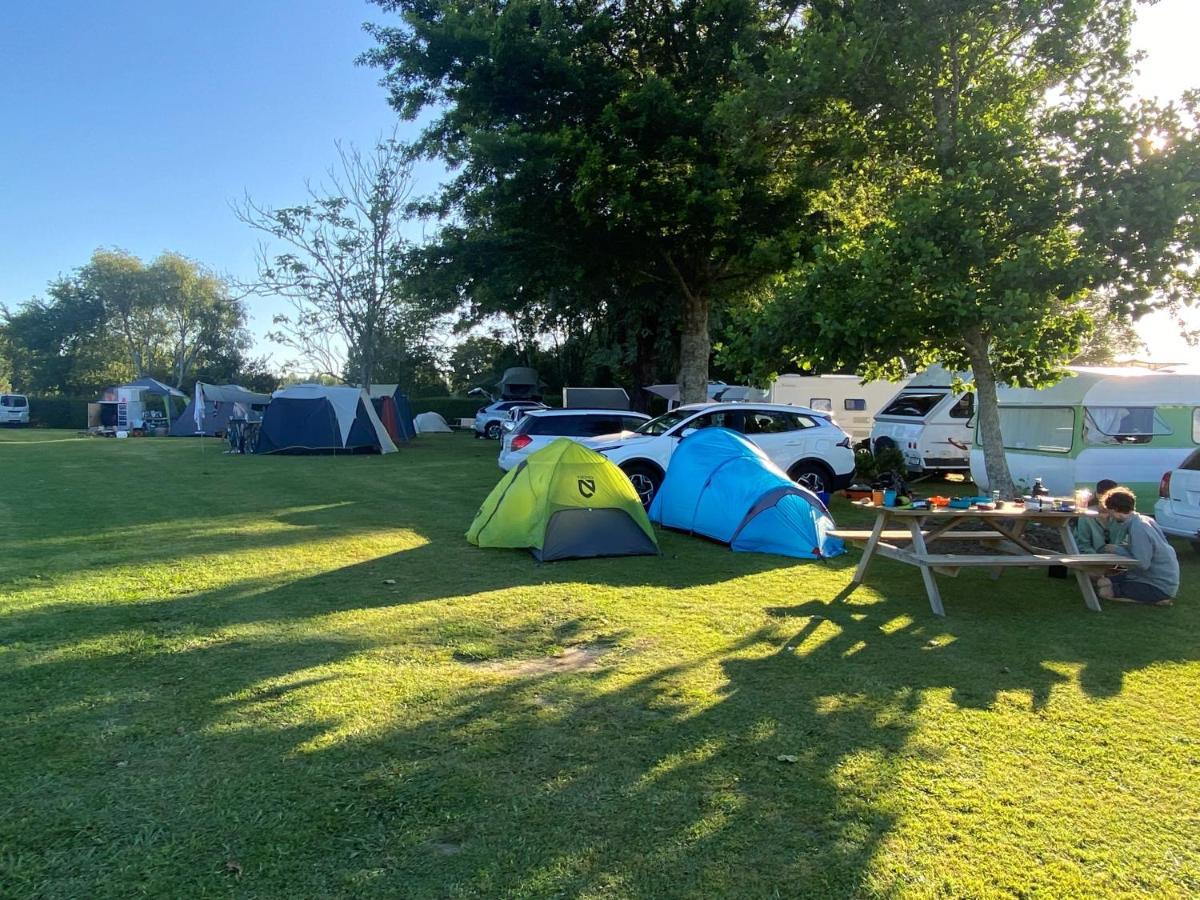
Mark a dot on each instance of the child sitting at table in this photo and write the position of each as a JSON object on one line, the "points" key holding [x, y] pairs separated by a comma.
{"points": [[1153, 573], [1092, 533]]}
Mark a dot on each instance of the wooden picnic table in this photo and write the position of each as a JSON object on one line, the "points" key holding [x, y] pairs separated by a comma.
{"points": [[915, 529]]}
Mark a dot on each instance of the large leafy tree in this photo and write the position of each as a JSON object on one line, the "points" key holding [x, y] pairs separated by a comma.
{"points": [[596, 154], [116, 318], [1006, 189]]}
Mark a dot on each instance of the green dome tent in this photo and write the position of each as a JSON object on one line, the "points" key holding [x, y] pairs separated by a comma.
{"points": [[565, 502]]}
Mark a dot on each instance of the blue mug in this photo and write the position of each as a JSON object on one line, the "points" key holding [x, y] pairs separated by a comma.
{"points": [[889, 497]]}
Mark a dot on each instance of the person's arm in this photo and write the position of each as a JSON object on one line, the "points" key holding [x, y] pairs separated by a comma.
{"points": [[1141, 547], [1089, 536]]}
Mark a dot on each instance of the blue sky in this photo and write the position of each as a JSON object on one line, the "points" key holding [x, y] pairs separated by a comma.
{"points": [[133, 124]]}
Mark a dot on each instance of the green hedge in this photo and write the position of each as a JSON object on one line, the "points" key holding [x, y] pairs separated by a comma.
{"points": [[58, 412]]}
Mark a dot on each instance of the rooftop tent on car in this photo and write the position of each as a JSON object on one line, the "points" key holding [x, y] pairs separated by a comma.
{"points": [[565, 502], [315, 418], [520, 383], [721, 486]]}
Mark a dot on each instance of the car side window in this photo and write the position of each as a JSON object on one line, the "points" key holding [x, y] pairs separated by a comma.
{"points": [[721, 419], [594, 426], [768, 422], [629, 423]]}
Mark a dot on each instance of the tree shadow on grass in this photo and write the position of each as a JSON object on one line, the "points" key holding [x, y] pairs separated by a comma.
{"points": [[344, 760]]}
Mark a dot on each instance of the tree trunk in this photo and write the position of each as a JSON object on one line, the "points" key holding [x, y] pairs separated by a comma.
{"points": [[694, 349], [988, 410]]}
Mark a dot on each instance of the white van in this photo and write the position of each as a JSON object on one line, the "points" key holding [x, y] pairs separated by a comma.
{"points": [[851, 402], [14, 409], [1130, 424], [929, 423]]}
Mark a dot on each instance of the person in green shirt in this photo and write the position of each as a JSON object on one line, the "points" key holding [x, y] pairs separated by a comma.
{"points": [[1094, 533]]}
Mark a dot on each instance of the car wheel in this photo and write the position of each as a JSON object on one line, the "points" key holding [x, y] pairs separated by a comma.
{"points": [[492, 431], [812, 475], [646, 480]]}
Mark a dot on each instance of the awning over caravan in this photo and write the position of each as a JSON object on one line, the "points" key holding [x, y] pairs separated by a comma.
{"points": [[211, 407]]}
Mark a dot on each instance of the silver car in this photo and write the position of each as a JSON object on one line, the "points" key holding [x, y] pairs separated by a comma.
{"points": [[539, 427], [490, 419]]}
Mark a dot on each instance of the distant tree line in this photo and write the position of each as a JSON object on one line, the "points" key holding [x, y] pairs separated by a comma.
{"points": [[117, 318]]}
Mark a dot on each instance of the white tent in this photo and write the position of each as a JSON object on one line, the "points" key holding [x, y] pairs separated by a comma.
{"points": [[428, 422]]}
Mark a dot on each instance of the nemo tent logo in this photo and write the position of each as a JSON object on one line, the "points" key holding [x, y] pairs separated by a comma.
{"points": [[587, 487]]}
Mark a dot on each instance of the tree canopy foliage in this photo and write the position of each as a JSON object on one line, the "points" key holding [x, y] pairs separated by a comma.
{"points": [[117, 318], [1005, 188], [605, 163]]}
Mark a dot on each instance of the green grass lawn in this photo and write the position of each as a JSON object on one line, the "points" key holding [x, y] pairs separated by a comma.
{"points": [[211, 687]]}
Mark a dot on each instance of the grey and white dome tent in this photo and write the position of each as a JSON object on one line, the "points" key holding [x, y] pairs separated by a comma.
{"points": [[430, 422]]}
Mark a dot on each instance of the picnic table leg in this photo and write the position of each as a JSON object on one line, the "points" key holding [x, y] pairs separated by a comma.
{"points": [[1017, 530], [931, 588], [1081, 577], [868, 550]]}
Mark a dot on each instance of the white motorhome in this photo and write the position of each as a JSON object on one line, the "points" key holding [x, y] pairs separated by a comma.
{"points": [[851, 402], [1130, 424], [929, 423]]}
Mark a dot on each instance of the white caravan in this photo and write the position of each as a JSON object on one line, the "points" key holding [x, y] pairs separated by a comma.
{"points": [[930, 424], [1129, 424], [851, 402]]}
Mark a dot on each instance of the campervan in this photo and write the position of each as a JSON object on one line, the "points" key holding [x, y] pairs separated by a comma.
{"points": [[1130, 424], [929, 423], [851, 402]]}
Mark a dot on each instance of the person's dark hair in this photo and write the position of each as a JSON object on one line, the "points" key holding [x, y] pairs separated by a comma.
{"points": [[1104, 485], [1119, 499]]}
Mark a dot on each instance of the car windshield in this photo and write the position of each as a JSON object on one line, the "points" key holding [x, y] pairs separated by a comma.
{"points": [[916, 405], [665, 422]]}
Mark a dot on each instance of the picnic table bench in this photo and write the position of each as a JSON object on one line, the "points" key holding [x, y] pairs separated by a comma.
{"points": [[1006, 527]]}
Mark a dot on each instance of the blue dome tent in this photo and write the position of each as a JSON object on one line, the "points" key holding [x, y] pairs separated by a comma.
{"points": [[723, 487]]}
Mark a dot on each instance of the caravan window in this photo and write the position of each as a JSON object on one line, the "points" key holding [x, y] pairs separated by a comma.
{"points": [[1037, 428], [854, 405], [917, 405], [821, 404], [1122, 424], [964, 408]]}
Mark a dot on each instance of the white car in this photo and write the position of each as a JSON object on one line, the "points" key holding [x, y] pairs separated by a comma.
{"points": [[14, 409], [538, 427], [1178, 506], [489, 420], [806, 444]]}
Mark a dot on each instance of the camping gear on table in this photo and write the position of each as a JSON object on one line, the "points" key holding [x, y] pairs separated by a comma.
{"points": [[316, 418], [721, 486], [428, 422], [565, 502], [212, 406]]}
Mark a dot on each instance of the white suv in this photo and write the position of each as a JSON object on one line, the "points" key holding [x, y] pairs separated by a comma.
{"points": [[14, 409], [1178, 506], [804, 443], [539, 427]]}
